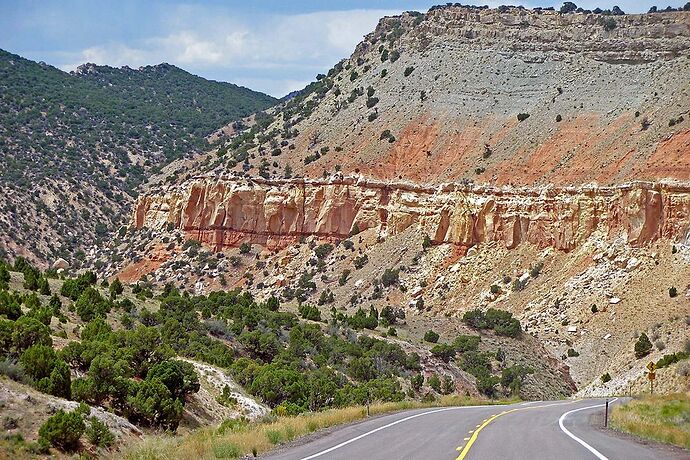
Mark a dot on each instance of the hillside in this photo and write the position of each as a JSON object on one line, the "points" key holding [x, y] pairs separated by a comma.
{"points": [[140, 360], [508, 158], [75, 147], [501, 96], [477, 203]]}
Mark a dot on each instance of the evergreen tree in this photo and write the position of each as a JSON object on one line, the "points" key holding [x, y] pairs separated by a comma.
{"points": [[643, 346]]}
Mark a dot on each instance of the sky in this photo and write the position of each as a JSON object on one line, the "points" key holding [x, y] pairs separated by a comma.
{"points": [[274, 46]]}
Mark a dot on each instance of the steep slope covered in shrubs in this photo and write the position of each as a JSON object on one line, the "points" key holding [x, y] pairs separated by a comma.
{"points": [[75, 147]]}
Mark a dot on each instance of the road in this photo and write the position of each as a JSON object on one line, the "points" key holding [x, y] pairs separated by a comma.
{"points": [[563, 430]]}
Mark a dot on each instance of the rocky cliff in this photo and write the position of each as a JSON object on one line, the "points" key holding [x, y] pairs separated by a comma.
{"points": [[558, 145], [227, 212], [500, 96]]}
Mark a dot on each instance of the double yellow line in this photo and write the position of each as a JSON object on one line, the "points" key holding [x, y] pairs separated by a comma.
{"points": [[475, 432]]}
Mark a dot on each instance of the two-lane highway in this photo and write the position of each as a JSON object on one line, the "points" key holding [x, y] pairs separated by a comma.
{"points": [[534, 430]]}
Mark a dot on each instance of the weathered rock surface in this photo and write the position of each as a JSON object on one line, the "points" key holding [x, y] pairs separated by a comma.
{"points": [[606, 99], [225, 212]]}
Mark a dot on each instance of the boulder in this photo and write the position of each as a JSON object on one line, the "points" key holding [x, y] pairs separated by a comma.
{"points": [[633, 263], [60, 264]]}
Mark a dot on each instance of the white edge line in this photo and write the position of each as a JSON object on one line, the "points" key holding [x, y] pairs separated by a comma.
{"points": [[530, 402], [357, 438], [596, 453]]}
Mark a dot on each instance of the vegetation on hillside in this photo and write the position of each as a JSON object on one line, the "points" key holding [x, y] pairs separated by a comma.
{"points": [[88, 139], [130, 359]]}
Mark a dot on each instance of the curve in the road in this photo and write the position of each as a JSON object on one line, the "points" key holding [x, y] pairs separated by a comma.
{"points": [[475, 433], [596, 453], [357, 438], [538, 430]]}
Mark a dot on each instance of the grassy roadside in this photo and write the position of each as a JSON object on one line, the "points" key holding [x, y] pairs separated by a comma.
{"points": [[660, 418], [235, 440]]}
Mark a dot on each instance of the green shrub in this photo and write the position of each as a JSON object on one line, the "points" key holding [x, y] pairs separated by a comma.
{"points": [[222, 449], [435, 383], [476, 319], [74, 287], [361, 261], [154, 405], [605, 378], [512, 377], [667, 360], [98, 433], [179, 377], [443, 351], [408, 71], [386, 134], [643, 346], [463, 343], [522, 116], [29, 331], [447, 385], [309, 312], [371, 102], [343, 277], [326, 297], [431, 336], [91, 304], [568, 7], [60, 380], [417, 381], [672, 292], [609, 24], [10, 305], [536, 269], [116, 288], [323, 250], [14, 371], [390, 277], [63, 430]]}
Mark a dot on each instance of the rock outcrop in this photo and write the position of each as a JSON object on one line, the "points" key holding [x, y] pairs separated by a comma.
{"points": [[504, 96], [227, 212]]}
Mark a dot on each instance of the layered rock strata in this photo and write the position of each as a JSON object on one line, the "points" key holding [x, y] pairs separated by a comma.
{"points": [[226, 212]]}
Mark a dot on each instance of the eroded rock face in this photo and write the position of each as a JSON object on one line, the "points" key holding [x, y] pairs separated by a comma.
{"points": [[225, 212]]}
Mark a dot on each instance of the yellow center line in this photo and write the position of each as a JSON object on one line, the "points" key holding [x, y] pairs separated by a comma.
{"points": [[475, 433]]}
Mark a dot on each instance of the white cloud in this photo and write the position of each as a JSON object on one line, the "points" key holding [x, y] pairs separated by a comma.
{"points": [[113, 54], [202, 40], [276, 86]]}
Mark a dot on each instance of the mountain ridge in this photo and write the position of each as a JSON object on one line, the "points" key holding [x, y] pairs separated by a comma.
{"points": [[76, 146]]}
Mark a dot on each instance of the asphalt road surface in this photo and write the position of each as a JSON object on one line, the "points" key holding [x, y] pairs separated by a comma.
{"points": [[559, 430]]}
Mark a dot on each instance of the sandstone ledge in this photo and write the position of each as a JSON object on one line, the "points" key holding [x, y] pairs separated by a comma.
{"points": [[223, 211]]}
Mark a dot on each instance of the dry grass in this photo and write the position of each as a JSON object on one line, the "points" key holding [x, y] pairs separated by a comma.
{"points": [[256, 438], [661, 418]]}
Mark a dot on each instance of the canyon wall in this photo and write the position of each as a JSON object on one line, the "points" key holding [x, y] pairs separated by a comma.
{"points": [[226, 212]]}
